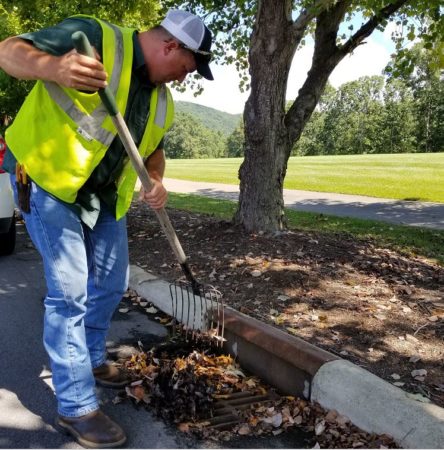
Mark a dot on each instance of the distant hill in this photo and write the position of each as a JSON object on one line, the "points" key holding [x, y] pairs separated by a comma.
{"points": [[209, 117]]}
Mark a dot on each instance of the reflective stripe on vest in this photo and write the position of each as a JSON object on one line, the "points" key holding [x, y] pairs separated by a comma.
{"points": [[159, 120], [89, 125], [161, 109], [60, 135], [68, 131]]}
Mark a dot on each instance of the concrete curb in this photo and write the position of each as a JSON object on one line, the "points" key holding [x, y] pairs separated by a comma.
{"points": [[377, 406], [299, 368]]}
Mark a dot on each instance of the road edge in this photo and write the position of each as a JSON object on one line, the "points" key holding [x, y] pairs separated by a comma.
{"points": [[369, 402]]}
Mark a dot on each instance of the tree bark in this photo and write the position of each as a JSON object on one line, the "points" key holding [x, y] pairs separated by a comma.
{"points": [[270, 132], [262, 173]]}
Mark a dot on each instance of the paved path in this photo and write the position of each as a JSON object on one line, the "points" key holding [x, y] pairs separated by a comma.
{"points": [[419, 214], [27, 401]]}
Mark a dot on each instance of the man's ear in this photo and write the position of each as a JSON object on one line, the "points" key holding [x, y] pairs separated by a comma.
{"points": [[170, 45]]}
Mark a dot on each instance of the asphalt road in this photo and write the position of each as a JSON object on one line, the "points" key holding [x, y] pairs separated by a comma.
{"points": [[27, 401], [402, 212]]}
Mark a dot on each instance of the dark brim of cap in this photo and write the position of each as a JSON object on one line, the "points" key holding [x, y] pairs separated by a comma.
{"points": [[203, 68]]}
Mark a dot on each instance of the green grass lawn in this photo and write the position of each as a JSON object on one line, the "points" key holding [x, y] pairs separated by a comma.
{"points": [[410, 240], [418, 176]]}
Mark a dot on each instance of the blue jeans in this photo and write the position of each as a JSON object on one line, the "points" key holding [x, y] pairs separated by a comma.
{"points": [[86, 273]]}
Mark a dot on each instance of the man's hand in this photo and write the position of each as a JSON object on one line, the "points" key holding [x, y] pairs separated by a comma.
{"points": [[22, 60], [157, 197], [81, 72]]}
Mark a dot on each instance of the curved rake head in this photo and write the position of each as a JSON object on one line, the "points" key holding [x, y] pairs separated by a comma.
{"points": [[198, 316]]}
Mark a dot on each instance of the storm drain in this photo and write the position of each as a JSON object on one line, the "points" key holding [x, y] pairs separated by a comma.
{"points": [[227, 408]]}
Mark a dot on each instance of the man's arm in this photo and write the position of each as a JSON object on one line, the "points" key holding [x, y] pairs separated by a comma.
{"points": [[22, 60], [155, 164]]}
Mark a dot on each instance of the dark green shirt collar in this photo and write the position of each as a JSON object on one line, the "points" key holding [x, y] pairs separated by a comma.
{"points": [[139, 65]]}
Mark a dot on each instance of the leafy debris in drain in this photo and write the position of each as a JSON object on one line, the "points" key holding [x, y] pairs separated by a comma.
{"points": [[189, 387]]}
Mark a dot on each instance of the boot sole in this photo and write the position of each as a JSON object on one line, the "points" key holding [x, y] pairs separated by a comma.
{"points": [[112, 384], [67, 429]]}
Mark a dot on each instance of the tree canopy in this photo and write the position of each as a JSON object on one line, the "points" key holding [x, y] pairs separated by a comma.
{"points": [[261, 37], [19, 16], [188, 139]]}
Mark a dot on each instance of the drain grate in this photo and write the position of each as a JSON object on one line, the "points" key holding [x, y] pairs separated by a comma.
{"points": [[227, 408]]}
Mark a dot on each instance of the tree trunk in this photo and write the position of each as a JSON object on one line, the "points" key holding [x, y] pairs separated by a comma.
{"points": [[266, 139], [270, 132]]}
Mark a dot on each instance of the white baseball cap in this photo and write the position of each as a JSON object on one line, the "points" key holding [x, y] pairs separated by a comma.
{"points": [[193, 35]]}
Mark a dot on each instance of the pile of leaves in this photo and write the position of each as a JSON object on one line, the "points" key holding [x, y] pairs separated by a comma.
{"points": [[374, 306], [183, 388], [330, 429]]}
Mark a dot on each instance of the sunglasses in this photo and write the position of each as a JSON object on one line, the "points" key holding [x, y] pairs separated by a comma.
{"points": [[209, 55]]}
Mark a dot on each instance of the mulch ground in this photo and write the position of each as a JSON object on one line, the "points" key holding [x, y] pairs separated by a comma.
{"points": [[380, 309]]}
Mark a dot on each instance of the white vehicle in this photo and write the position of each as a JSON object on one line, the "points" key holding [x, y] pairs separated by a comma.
{"points": [[7, 216]]}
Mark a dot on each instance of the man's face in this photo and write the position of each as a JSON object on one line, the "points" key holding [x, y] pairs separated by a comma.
{"points": [[174, 64]]}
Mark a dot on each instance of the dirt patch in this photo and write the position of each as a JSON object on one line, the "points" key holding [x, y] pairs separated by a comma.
{"points": [[381, 310]]}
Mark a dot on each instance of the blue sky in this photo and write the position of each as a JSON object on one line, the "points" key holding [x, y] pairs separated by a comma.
{"points": [[368, 59]]}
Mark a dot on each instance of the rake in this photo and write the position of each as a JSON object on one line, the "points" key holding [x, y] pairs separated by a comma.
{"points": [[198, 310], [200, 317]]}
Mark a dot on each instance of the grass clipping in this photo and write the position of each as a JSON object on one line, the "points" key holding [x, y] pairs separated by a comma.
{"points": [[184, 389]]}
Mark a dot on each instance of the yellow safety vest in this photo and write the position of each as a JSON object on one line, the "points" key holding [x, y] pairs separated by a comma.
{"points": [[60, 135]]}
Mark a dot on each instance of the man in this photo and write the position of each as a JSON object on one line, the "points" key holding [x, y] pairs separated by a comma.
{"points": [[74, 183]]}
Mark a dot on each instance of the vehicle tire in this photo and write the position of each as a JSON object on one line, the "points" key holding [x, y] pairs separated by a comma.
{"points": [[7, 240]]}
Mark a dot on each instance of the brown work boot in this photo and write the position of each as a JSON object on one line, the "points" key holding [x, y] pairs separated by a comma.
{"points": [[93, 430], [110, 376]]}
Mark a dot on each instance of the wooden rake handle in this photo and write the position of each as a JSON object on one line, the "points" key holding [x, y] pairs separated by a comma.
{"points": [[82, 45]]}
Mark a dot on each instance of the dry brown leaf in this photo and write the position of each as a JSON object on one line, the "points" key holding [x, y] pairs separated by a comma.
{"points": [[276, 432], [410, 338], [342, 420], [137, 393], [331, 415], [320, 427], [250, 383], [244, 430], [419, 373], [253, 421], [292, 330], [184, 427]]}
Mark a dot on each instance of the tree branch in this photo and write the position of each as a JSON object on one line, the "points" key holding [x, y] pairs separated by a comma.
{"points": [[367, 29], [325, 59], [308, 14]]}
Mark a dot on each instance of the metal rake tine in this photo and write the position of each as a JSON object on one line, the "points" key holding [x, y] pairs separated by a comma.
{"points": [[205, 317], [197, 304], [173, 310], [203, 312], [213, 324], [220, 323], [217, 318], [193, 330], [182, 308], [188, 313], [223, 322]]}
